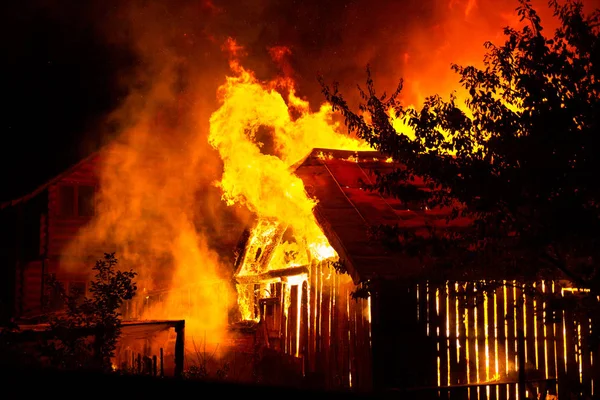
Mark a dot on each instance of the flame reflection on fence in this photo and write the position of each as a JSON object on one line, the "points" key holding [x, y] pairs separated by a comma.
{"points": [[475, 328]]}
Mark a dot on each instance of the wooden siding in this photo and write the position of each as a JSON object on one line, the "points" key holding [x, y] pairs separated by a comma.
{"points": [[318, 321], [62, 230], [31, 289]]}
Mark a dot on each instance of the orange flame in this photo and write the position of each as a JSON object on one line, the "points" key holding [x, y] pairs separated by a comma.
{"points": [[261, 178]]}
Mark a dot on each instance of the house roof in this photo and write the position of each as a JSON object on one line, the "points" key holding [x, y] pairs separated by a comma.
{"points": [[346, 211], [49, 183]]}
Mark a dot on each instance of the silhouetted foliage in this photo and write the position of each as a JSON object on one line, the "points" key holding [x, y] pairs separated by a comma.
{"points": [[97, 317], [521, 166]]}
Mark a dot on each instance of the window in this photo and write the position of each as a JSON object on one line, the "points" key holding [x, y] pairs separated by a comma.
{"points": [[85, 201], [66, 201], [76, 200]]}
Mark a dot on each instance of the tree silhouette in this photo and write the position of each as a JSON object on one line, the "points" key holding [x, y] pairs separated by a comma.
{"points": [[520, 162], [97, 316]]}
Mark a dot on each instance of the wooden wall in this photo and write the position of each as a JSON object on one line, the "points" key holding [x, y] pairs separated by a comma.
{"points": [[469, 340], [43, 237], [328, 329], [62, 230]]}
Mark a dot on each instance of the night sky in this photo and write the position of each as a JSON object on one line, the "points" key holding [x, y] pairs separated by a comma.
{"points": [[58, 82], [68, 64]]}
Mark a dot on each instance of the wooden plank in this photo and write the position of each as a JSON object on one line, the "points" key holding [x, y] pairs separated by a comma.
{"points": [[471, 334], [596, 358], [344, 319], [462, 330], [443, 339], [500, 320], [491, 392], [550, 326], [353, 340], [366, 360], [540, 348], [273, 274], [326, 322], [490, 298], [561, 361], [318, 316], [473, 395], [482, 362], [304, 327], [334, 333], [337, 360], [585, 361], [530, 327], [434, 330], [362, 359], [313, 294], [293, 320], [453, 336], [572, 375], [521, 343], [378, 345], [356, 340], [511, 337], [422, 307], [342, 334]]}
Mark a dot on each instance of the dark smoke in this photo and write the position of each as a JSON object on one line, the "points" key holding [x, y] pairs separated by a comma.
{"points": [[70, 63], [336, 39]]}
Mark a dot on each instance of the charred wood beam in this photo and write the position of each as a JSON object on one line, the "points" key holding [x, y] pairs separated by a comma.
{"points": [[270, 275]]}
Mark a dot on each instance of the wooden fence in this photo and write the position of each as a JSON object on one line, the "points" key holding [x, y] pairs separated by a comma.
{"points": [[484, 335]]}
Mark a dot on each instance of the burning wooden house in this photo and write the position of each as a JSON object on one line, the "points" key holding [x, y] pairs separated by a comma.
{"points": [[37, 233], [358, 315], [36, 228]]}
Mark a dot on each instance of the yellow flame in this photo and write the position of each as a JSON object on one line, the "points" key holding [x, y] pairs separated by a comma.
{"points": [[264, 182], [260, 134]]}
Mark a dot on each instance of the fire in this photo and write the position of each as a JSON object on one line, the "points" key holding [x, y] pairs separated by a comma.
{"points": [[261, 178], [156, 209]]}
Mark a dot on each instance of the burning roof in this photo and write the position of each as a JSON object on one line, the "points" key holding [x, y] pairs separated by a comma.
{"points": [[345, 211]]}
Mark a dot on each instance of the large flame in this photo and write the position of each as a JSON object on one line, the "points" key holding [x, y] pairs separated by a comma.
{"points": [[262, 179], [157, 209]]}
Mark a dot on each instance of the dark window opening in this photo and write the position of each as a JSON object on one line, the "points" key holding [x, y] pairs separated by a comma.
{"points": [[85, 201], [66, 201], [258, 253], [76, 201]]}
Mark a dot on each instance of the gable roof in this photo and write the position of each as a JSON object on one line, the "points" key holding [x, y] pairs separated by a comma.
{"points": [[50, 182], [345, 211]]}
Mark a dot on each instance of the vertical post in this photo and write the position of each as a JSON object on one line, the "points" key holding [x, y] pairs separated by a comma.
{"points": [[154, 366], [304, 343], [162, 364], [377, 358], [179, 348], [43, 284], [19, 272], [139, 363], [521, 355]]}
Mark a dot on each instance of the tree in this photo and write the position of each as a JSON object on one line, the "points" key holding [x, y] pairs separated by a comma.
{"points": [[520, 162], [97, 316]]}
